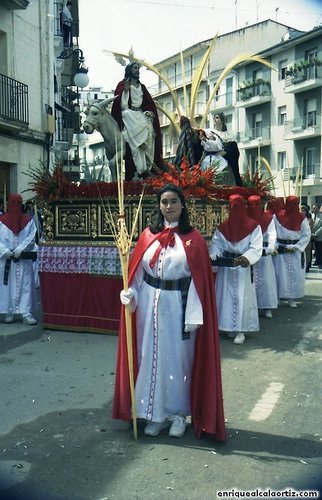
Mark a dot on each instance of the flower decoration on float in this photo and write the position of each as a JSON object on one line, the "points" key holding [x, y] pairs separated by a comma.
{"points": [[49, 187]]}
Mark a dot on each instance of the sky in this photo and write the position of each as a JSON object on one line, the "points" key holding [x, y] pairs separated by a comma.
{"points": [[157, 29]]}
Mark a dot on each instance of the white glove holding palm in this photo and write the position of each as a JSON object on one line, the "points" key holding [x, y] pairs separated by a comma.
{"points": [[126, 296], [190, 328], [16, 253]]}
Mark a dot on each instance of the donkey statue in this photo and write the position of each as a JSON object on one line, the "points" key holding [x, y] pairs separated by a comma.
{"points": [[99, 118]]}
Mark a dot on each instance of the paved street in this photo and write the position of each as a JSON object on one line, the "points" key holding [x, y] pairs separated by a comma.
{"points": [[58, 442]]}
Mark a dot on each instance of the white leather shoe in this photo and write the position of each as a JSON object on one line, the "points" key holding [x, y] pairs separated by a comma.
{"points": [[9, 318], [154, 428], [29, 320], [268, 314], [178, 427], [239, 339], [292, 303]]}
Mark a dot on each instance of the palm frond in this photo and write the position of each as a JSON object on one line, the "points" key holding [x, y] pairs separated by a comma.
{"points": [[195, 84], [269, 169], [236, 60]]}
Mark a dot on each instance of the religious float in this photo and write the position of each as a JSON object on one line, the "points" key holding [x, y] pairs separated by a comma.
{"points": [[90, 228], [79, 260]]}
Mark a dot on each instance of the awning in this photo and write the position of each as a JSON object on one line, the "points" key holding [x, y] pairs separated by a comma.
{"points": [[59, 107]]}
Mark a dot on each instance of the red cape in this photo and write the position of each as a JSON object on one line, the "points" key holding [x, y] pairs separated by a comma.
{"points": [[147, 105], [206, 388]]}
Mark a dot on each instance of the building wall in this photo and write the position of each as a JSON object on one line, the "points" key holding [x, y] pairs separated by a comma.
{"points": [[276, 43], [26, 50]]}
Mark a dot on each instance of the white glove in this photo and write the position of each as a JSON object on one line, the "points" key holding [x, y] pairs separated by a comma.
{"points": [[291, 248], [16, 253], [126, 296], [190, 328]]}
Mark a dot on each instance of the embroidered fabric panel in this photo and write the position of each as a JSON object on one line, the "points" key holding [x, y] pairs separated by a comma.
{"points": [[101, 261]]}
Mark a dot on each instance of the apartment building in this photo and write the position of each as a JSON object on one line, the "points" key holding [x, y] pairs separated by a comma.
{"points": [[279, 114], [38, 95], [274, 112], [26, 90]]}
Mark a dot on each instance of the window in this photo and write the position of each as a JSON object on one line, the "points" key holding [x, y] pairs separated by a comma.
{"points": [[309, 166], [229, 91], [310, 113], [282, 115], [200, 103], [281, 160], [311, 71], [257, 126], [167, 144], [282, 67], [229, 121], [257, 75]]}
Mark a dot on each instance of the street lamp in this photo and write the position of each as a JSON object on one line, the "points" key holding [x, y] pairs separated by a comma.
{"points": [[81, 79]]}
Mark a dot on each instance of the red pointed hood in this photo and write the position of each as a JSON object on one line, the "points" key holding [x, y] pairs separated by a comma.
{"points": [[291, 218], [14, 219], [275, 205], [239, 224], [255, 211]]}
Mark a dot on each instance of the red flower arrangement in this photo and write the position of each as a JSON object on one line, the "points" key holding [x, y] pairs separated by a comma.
{"points": [[193, 181], [202, 183]]}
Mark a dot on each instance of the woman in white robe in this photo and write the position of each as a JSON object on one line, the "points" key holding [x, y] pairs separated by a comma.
{"points": [[176, 344]]}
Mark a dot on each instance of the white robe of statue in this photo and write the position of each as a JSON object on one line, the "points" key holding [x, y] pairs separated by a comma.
{"points": [[138, 129]]}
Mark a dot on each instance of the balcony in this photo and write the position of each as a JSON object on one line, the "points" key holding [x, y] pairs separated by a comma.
{"points": [[64, 132], [58, 34], [253, 94], [255, 137], [14, 110], [301, 79], [307, 127], [311, 174]]}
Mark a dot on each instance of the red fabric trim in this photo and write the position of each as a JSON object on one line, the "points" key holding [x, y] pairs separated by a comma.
{"points": [[80, 302], [206, 389]]}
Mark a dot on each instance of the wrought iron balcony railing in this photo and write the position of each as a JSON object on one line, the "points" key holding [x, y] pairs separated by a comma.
{"points": [[14, 100]]}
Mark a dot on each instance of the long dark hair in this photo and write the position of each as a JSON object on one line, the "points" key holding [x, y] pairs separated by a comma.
{"points": [[128, 70], [223, 121], [184, 223]]}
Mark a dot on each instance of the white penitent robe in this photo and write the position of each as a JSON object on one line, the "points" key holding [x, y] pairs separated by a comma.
{"points": [[165, 359], [235, 289], [17, 297], [264, 272], [290, 267], [138, 129]]}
